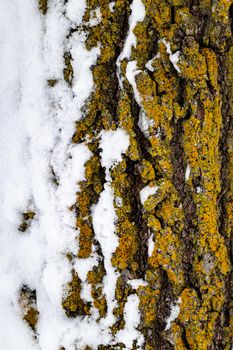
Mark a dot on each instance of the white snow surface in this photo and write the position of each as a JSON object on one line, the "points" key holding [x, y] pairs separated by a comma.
{"points": [[132, 319], [174, 57], [175, 309], [187, 172], [131, 72], [138, 13], [151, 245], [146, 192], [113, 144], [144, 123]]}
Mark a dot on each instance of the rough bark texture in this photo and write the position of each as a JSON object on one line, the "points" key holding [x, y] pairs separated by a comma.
{"points": [[188, 111]]}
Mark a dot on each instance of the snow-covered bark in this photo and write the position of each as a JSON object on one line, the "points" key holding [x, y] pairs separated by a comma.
{"points": [[115, 192]]}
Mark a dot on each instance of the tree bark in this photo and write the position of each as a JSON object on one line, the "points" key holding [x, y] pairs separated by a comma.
{"points": [[172, 95]]}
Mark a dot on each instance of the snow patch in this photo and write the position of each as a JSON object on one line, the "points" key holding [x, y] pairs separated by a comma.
{"points": [[175, 309], [75, 13], [113, 144], [187, 172], [136, 283], [146, 192], [132, 319], [104, 217], [144, 123], [151, 245], [174, 58], [131, 72], [111, 6], [96, 17], [149, 63], [138, 13]]}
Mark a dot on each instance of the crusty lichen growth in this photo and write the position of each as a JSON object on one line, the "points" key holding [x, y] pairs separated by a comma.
{"points": [[43, 6], [27, 218], [88, 195], [183, 104], [68, 69], [73, 304], [27, 302], [125, 254], [95, 278]]}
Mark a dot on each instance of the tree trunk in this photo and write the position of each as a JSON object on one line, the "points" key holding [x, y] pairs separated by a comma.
{"points": [[172, 93], [158, 128]]}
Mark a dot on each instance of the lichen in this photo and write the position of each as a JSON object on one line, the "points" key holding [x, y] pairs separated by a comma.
{"points": [[43, 6], [73, 304], [27, 302]]}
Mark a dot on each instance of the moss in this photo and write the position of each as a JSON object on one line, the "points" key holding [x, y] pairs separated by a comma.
{"points": [[166, 254], [88, 195], [123, 290], [149, 297]]}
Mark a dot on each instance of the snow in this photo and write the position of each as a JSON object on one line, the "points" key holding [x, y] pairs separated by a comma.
{"points": [[37, 124], [137, 15], [129, 333], [149, 63], [111, 6], [136, 283], [113, 144], [41, 170], [144, 123], [131, 72], [187, 172], [174, 57], [104, 216], [75, 13], [151, 245], [175, 309], [146, 192], [95, 17]]}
